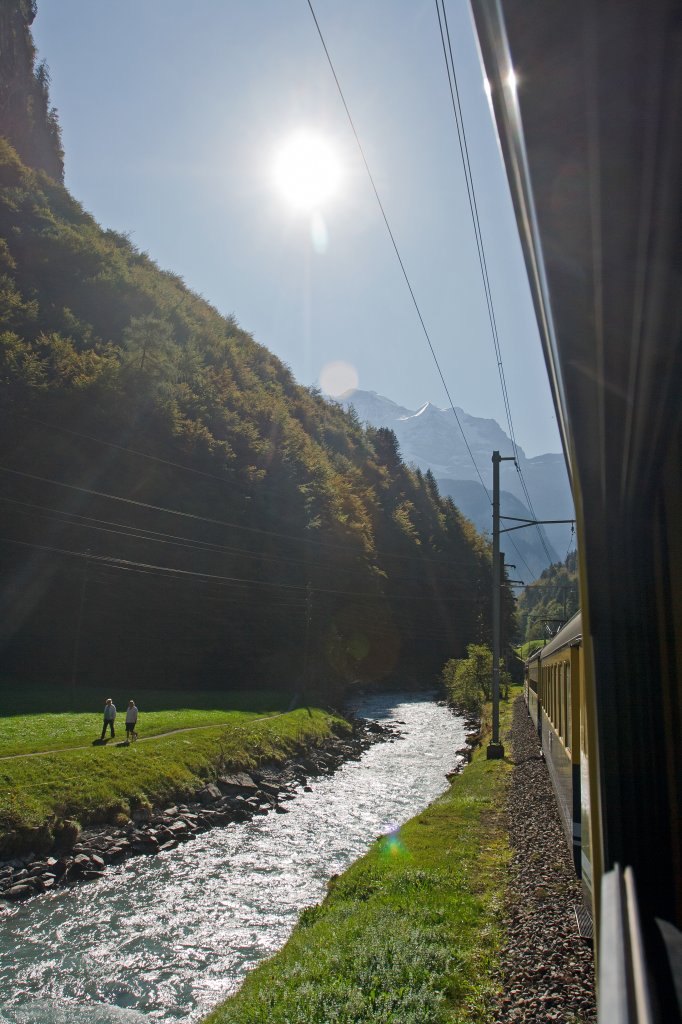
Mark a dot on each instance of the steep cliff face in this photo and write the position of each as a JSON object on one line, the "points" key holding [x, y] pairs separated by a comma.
{"points": [[27, 120]]}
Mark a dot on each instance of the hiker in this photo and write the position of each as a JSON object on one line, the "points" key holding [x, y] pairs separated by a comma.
{"points": [[131, 721], [109, 717]]}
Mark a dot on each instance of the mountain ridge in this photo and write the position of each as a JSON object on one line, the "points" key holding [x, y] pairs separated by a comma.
{"points": [[431, 439]]}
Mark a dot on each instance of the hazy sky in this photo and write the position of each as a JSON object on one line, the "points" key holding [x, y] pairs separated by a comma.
{"points": [[172, 115]]}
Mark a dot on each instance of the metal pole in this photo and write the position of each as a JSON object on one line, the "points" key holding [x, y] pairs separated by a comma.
{"points": [[495, 748]]}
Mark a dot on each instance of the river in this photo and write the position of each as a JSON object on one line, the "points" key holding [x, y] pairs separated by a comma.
{"points": [[164, 938]]}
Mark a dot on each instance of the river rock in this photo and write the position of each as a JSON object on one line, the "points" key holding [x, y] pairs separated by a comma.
{"points": [[209, 793], [144, 844], [239, 782], [18, 892], [269, 789], [114, 853]]}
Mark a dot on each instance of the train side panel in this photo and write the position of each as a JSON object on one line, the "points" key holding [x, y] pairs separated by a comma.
{"points": [[559, 718], [586, 853], [531, 690]]}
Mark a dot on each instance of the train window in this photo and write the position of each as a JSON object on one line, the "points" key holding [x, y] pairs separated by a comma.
{"points": [[554, 694], [568, 736]]}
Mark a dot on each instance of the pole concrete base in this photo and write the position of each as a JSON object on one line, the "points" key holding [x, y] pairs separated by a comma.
{"points": [[495, 751]]}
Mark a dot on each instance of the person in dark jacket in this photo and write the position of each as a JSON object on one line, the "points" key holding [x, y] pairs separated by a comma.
{"points": [[109, 717]]}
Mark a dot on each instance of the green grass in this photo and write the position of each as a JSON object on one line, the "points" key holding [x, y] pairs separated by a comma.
{"points": [[34, 719], [99, 783], [530, 647], [409, 934]]}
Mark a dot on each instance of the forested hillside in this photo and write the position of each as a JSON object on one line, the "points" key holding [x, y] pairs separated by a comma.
{"points": [[550, 601], [174, 507]]}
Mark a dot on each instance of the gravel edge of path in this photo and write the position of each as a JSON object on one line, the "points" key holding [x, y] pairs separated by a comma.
{"points": [[547, 969]]}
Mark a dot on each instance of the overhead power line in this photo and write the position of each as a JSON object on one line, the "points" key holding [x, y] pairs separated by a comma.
{"points": [[137, 504], [414, 299], [129, 565], [473, 207], [126, 531], [395, 247]]}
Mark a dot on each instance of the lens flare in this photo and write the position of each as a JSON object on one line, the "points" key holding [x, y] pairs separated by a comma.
{"points": [[319, 236], [392, 845], [337, 378]]}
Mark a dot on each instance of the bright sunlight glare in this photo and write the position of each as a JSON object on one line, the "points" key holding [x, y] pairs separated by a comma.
{"points": [[337, 378], [307, 171]]}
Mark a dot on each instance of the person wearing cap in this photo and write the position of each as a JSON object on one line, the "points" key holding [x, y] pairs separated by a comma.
{"points": [[131, 721]]}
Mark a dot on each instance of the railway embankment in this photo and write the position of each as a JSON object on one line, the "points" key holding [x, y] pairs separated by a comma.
{"points": [[546, 969]]}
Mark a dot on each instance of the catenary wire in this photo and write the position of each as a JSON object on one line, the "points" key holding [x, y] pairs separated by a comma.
{"points": [[395, 247], [131, 532], [471, 195], [409, 286], [136, 503], [129, 565]]}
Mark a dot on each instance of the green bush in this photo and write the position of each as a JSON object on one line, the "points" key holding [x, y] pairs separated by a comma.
{"points": [[468, 681]]}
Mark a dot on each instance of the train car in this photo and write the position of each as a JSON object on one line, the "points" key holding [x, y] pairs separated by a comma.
{"points": [[555, 699], [559, 712], [586, 100]]}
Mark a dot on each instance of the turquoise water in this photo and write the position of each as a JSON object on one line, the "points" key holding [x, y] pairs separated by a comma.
{"points": [[164, 938]]}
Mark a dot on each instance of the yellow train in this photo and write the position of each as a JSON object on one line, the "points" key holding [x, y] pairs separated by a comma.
{"points": [[554, 691]]}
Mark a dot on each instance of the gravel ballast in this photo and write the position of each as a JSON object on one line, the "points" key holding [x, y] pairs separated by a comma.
{"points": [[547, 968]]}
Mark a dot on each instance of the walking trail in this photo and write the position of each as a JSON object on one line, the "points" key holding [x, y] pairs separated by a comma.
{"points": [[142, 739]]}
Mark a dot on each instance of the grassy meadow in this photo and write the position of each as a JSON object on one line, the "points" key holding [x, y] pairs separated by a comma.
{"points": [[45, 718], [410, 933], [102, 783]]}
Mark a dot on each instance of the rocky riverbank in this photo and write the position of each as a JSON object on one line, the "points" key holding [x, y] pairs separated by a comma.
{"points": [[547, 970], [231, 798]]}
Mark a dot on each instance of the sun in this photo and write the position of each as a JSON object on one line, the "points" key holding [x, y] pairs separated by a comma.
{"points": [[307, 171]]}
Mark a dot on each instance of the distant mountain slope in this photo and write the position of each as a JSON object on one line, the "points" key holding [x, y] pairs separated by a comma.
{"points": [[431, 439]]}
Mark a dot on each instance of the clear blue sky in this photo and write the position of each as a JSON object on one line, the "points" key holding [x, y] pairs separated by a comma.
{"points": [[171, 115]]}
